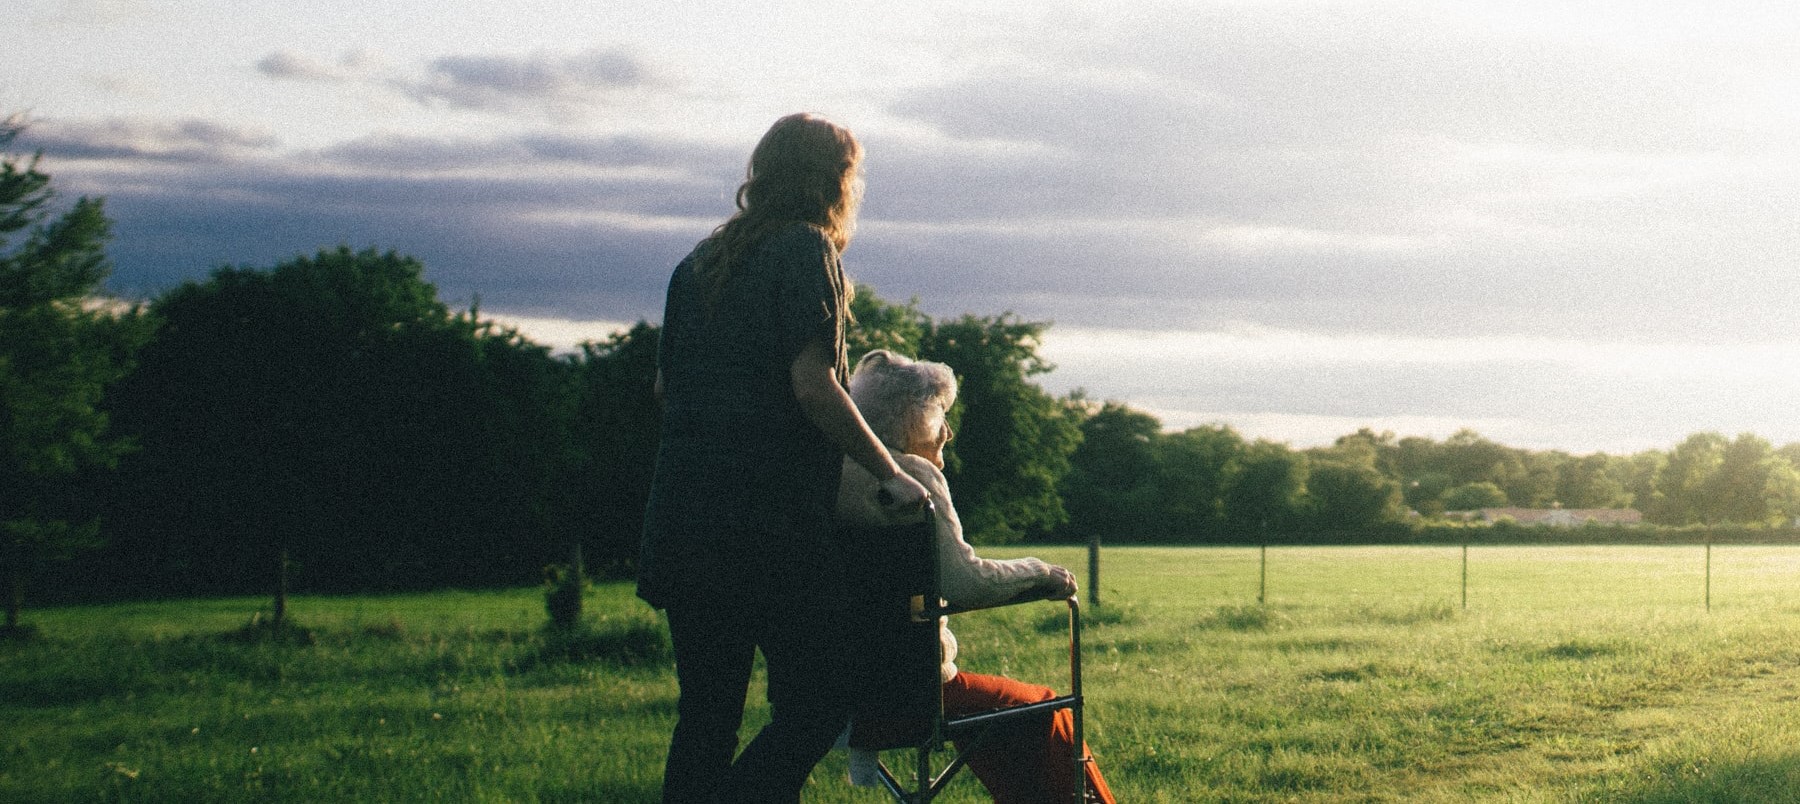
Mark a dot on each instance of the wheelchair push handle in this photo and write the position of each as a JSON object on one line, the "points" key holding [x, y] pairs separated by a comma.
{"points": [[885, 499]]}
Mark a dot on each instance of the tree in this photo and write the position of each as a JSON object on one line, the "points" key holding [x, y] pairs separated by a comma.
{"points": [[1530, 478], [1684, 484], [877, 324], [1591, 482], [617, 427], [1425, 492], [1782, 491], [1264, 496], [1474, 496], [1108, 491], [1739, 489], [1638, 474], [1468, 458], [332, 407], [1013, 440], [1347, 495], [59, 350], [1193, 470]]}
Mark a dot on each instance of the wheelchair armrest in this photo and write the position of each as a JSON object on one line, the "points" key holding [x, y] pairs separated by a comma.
{"points": [[922, 613], [1027, 596]]}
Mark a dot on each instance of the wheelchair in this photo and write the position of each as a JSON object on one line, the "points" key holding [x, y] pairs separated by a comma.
{"points": [[897, 662]]}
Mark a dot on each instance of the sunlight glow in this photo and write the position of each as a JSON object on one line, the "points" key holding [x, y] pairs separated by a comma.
{"points": [[1770, 360], [562, 335]]}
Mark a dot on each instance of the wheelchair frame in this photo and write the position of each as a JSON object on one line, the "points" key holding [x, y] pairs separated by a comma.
{"points": [[903, 560]]}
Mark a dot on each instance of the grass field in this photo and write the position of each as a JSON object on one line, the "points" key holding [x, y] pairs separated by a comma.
{"points": [[1574, 675]]}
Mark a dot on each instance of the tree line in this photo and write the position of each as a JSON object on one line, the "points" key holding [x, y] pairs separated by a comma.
{"points": [[1131, 481], [331, 414]]}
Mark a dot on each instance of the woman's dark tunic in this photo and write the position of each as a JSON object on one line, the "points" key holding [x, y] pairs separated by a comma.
{"points": [[742, 497]]}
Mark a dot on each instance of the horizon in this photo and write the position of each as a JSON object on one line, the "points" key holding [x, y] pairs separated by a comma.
{"points": [[1557, 225]]}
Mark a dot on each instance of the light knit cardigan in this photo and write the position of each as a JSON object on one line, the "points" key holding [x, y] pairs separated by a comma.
{"points": [[965, 578]]}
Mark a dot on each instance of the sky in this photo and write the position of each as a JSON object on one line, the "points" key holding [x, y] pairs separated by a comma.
{"points": [[1566, 225]]}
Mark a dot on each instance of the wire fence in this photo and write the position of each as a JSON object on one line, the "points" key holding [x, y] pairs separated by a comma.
{"points": [[1473, 576]]}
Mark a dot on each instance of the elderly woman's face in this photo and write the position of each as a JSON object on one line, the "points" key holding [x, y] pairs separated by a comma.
{"points": [[930, 444]]}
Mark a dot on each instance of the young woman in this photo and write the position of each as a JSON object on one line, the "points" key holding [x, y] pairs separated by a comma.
{"points": [[737, 545]]}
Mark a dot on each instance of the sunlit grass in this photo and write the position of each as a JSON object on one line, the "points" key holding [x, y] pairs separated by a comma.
{"points": [[1574, 674]]}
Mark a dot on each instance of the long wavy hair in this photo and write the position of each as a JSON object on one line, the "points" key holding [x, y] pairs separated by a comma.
{"points": [[805, 169]]}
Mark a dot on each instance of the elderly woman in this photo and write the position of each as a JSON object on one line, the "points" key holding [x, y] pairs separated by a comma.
{"points": [[905, 402]]}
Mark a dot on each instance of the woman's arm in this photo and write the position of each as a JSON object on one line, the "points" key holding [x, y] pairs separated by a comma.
{"points": [[828, 406]]}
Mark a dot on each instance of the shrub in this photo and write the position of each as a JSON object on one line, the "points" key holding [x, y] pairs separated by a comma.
{"points": [[563, 588]]}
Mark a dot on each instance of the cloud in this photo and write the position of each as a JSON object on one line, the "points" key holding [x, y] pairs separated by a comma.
{"points": [[562, 86], [289, 65], [473, 245], [1301, 75], [559, 84], [1398, 168], [536, 151], [192, 141], [556, 226]]}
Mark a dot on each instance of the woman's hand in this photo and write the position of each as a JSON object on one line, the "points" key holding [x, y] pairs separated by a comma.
{"points": [[901, 495], [1061, 582]]}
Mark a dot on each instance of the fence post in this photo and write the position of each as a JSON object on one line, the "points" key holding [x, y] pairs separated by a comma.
{"points": [[1094, 570], [1465, 574], [580, 572], [1262, 571], [281, 590], [1709, 569], [1262, 581]]}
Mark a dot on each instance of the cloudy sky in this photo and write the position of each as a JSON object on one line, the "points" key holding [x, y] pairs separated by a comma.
{"points": [[1567, 225]]}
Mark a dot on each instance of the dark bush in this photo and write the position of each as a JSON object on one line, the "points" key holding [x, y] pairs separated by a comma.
{"points": [[563, 588]]}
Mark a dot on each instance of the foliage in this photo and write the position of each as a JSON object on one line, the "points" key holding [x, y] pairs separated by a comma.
{"points": [[334, 408], [1349, 495], [1684, 481], [1013, 440], [564, 585], [1194, 468], [613, 437], [878, 324], [60, 347], [1590, 482], [1109, 491], [1267, 493], [331, 406], [1131, 482], [1474, 496]]}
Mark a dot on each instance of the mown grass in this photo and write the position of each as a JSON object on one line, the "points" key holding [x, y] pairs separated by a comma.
{"points": [[1575, 675]]}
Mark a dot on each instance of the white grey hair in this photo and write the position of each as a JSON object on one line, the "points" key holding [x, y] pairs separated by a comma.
{"points": [[899, 397]]}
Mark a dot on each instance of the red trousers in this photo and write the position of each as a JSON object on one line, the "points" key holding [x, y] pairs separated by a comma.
{"points": [[1034, 766]]}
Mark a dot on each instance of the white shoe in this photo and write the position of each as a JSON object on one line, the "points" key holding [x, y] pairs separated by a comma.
{"points": [[865, 768]]}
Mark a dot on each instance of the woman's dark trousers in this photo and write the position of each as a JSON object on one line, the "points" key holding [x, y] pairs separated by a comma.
{"points": [[715, 644]]}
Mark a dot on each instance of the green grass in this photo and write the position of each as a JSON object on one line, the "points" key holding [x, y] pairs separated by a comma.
{"points": [[1575, 675]]}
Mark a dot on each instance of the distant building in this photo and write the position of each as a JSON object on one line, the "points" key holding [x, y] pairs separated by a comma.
{"points": [[1553, 517]]}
